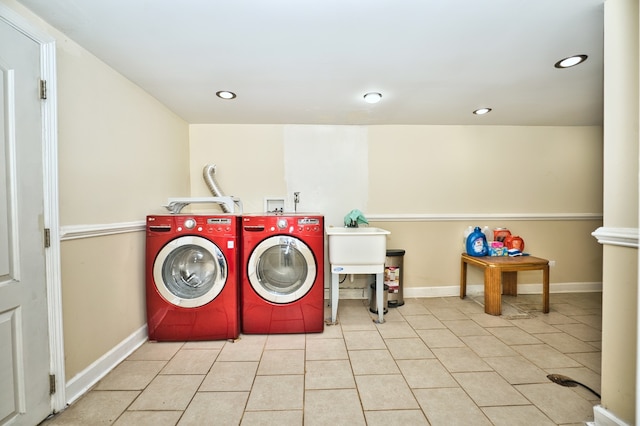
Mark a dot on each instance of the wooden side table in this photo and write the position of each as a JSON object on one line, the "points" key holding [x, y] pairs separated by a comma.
{"points": [[502, 271]]}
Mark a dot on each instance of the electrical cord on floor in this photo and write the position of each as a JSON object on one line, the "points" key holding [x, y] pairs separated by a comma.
{"points": [[569, 382]]}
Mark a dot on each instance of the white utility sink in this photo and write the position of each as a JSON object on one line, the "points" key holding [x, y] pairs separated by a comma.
{"points": [[357, 251], [357, 246]]}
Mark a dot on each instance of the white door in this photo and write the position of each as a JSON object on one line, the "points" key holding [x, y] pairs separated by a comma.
{"points": [[24, 338]]}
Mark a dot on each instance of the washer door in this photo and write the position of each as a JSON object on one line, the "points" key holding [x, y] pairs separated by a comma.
{"points": [[282, 269], [190, 271]]}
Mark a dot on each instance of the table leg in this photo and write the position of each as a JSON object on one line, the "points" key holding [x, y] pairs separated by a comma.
{"points": [[380, 296], [334, 297], [545, 289], [463, 279], [492, 296], [510, 283]]}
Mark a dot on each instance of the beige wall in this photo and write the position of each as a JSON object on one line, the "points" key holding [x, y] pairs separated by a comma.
{"points": [[121, 155], [440, 171], [433, 248], [619, 332], [121, 152], [485, 169], [103, 296], [249, 160], [620, 270]]}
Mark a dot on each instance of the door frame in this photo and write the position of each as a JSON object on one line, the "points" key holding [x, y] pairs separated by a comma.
{"points": [[51, 220]]}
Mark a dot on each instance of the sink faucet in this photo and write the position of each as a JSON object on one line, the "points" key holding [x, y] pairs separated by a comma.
{"points": [[296, 200]]}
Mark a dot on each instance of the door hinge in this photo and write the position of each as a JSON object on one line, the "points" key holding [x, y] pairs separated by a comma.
{"points": [[47, 237], [52, 384], [43, 89]]}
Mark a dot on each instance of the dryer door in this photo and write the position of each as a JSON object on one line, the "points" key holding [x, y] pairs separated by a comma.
{"points": [[282, 269], [190, 271]]}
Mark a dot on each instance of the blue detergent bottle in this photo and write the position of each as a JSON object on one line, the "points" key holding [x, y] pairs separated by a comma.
{"points": [[477, 243]]}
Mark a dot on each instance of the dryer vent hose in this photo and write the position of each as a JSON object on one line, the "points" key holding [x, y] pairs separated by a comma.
{"points": [[208, 172]]}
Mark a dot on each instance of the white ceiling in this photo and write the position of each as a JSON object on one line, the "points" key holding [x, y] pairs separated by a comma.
{"points": [[311, 61]]}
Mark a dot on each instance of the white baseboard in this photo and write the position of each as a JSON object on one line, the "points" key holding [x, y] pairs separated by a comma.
{"points": [[475, 289], [83, 381], [604, 417]]}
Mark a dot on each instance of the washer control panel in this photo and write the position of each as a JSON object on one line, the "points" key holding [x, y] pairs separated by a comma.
{"points": [[309, 224], [284, 224], [193, 224]]}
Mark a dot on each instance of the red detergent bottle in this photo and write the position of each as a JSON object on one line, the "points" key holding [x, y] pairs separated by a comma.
{"points": [[514, 242]]}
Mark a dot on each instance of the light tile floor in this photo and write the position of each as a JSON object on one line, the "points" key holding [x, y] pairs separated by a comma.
{"points": [[436, 361]]}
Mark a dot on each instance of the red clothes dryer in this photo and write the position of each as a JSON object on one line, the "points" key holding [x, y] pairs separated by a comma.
{"points": [[192, 277], [282, 288]]}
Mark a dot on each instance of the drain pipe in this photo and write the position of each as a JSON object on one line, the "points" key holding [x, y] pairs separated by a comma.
{"points": [[207, 173]]}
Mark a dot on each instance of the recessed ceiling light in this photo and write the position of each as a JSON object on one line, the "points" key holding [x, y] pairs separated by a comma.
{"points": [[571, 61], [482, 111], [225, 94], [372, 97]]}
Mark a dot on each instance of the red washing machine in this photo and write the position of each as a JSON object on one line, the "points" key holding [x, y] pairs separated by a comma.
{"points": [[282, 288], [192, 277]]}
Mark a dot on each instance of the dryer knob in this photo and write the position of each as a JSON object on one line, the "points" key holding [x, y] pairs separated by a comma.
{"points": [[282, 223], [189, 223]]}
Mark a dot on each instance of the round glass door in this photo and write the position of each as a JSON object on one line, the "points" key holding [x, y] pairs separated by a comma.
{"points": [[190, 271], [282, 269]]}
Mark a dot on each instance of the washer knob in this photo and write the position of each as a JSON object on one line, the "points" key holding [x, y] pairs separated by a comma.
{"points": [[282, 223], [189, 223]]}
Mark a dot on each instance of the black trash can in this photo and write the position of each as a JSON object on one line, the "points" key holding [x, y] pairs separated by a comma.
{"points": [[393, 267], [373, 301]]}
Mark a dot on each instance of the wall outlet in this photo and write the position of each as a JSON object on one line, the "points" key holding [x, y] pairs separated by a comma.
{"points": [[552, 263]]}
